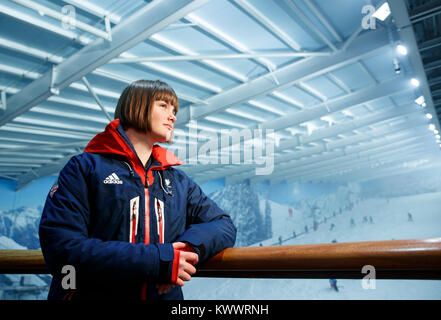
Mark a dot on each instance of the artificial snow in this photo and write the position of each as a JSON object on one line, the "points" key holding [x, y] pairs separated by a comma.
{"points": [[390, 222]]}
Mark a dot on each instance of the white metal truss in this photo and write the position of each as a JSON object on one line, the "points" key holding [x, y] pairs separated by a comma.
{"points": [[327, 126]]}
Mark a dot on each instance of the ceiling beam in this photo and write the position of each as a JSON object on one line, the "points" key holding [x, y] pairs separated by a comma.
{"points": [[365, 45], [268, 24], [367, 173], [226, 56], [349, 158], [319, 153], [392, 157], [326, 151], [425, 11], [359, 97], [378, 91], [407, 36], [43, 171], [150, 19], [319, 135], [309, 24], [43, 10], [316, 161]]}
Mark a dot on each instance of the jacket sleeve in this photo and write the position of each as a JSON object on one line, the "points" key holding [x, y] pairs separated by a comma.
{"points": [[210, 230], [64, 238]]}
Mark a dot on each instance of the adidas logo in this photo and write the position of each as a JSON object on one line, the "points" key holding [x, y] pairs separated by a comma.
{"points": [[112, 179]]}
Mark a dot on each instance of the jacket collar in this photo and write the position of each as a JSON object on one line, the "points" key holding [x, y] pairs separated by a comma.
{"points": [[113, 140]]}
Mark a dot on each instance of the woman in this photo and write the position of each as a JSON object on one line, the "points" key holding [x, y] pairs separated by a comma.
{"points": [[122, 217]]}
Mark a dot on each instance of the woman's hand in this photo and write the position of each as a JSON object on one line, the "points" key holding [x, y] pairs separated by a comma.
{"points": [[187, 259]]}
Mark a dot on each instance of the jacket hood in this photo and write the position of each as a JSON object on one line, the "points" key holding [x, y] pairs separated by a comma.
{"points": [[112, 141]]}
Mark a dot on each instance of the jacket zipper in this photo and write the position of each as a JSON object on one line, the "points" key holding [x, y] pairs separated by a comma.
{"points": [[147, 217], [147, 230], [159, 213]]}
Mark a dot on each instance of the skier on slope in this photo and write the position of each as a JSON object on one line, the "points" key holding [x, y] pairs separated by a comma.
{"points": [[333, 282]]}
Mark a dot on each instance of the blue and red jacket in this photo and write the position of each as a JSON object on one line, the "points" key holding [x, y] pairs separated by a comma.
{"points": [[115, 222]]}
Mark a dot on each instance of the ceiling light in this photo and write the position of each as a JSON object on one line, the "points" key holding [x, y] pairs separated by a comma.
{"points": [[382, 12], [420, 100], [435, 131], [423, 104], [431, 127], [415, 82], [401, 49], [437, 136], [428, 116]]}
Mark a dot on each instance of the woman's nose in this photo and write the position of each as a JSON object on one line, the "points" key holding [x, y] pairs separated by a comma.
{"points": [[172, 116]]}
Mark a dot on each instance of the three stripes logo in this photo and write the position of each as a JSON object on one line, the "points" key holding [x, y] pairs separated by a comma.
{"points": [[112, 179]]}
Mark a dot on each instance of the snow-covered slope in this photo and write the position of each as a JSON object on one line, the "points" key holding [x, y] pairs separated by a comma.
{"points": [[23, 287], [390, 221], [21, 225], [9, 244]]}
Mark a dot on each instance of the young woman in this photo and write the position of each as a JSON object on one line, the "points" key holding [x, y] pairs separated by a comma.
{"points": [[126, 222]]}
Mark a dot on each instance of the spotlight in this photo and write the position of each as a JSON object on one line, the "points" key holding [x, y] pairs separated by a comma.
{"points": [[420, 100], [435, 131], [428, 116], [401, 49], [382, 12], [415, 82], [438, 137], [431, 127]]}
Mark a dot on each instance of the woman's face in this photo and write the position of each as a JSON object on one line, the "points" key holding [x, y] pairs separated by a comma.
{"points": [[162, 121]]}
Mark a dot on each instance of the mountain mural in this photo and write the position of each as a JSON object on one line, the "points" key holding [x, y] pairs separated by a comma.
{"points": [[242, 202], [21, 225]]}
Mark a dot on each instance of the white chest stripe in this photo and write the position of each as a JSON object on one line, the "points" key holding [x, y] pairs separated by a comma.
{"points": [[160, 219], [134, 217]]}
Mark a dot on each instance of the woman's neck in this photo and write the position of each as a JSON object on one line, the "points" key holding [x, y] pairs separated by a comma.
{"points": [[142, 144]]}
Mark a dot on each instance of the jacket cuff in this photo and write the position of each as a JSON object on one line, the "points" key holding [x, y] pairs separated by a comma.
{"points": [[166, 259], [175, 267], [194, 245]]}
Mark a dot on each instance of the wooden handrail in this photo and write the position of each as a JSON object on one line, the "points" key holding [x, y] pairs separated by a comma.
{"points": [[392, 259]]}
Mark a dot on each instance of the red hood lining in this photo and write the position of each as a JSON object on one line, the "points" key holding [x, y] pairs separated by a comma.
{"points": [[110, 141]]}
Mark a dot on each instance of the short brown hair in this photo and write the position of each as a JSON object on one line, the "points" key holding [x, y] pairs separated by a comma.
{"points": [[135, 103]]}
